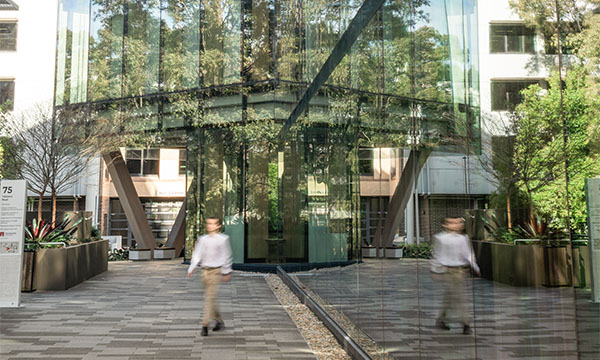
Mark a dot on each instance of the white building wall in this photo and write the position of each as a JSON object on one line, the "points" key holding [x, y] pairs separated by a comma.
{"points": [[446, 174], [32, 65], [502, 66]]}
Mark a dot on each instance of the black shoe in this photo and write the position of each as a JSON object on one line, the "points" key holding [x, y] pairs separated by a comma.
{"points": [[220, 325], [204, 331], [467, 330], [442, 325]]}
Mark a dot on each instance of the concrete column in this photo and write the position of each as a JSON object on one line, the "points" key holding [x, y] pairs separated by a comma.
{"points": [[177, 234], [402, 194], [409, 220], [138, 224]]}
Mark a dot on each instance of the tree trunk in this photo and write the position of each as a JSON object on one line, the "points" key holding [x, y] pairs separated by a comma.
{"points": [[531, 214], [508, 209], [53, 208], [40, 199]]}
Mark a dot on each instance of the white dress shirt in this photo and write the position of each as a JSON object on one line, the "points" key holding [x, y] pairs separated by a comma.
{"points": [[212, 251], [454, 250]]}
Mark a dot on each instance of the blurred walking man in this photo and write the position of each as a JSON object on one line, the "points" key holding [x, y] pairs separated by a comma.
{"points": [[452, 258], [213, 253]]}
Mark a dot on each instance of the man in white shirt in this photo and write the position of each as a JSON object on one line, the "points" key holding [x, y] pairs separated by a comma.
{"points": [[452, 257], [213, 253]]}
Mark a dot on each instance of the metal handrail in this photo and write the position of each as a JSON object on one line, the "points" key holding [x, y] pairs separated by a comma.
{"points": [[561, 241], [515, 241], [64, 244], [355, 351]]}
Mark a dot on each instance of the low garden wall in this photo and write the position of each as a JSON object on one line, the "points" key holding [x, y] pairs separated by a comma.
{"points": [[532, 265], [63, 268]]}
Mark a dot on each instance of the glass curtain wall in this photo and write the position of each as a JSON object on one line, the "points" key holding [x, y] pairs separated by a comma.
{"points": [[220, 78], [72, 51]]}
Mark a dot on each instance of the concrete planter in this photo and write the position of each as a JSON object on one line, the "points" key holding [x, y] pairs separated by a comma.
{"points": [[164, 253], [28, 271], [581, 266], [140, 254], [63, 268], [369, 252], [558, 266], [393, 253], [529, 265]]}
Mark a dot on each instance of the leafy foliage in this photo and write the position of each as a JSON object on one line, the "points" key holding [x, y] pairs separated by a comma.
{"points": [[497, 228], [539, 154], [540, 228], [37, 232], [118, 255], [417, 251]]}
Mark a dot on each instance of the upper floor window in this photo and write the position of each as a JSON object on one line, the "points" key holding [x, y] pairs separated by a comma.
{"points": [[512, 38], [143, 162], [506, 94], [8, 35], [8, 5], [366, 162], [7, 94], [182, 161]]}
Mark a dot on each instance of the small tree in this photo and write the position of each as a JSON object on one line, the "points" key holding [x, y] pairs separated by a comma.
{"points": [[539, 148], [31, 153], [50, 150], [497, 163]]}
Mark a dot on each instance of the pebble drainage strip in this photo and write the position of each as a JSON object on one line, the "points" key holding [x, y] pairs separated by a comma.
{"points": [[317, 336], [359, 336]]}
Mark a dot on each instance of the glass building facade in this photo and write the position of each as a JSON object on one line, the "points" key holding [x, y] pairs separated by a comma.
{"points": [[221, 77]]}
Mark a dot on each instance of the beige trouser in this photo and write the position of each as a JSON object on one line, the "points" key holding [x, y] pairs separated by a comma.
{"points": [[211, 279], [455, 296]]}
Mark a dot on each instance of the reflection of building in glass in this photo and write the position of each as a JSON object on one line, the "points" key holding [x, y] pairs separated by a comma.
{"points": [[159, 182], [220, 78]]}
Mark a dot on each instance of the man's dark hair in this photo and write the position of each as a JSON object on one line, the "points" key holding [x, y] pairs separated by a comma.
{"points": [[448, 218], [214, 218]]}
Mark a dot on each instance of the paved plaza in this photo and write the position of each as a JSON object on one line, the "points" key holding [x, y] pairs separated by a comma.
{"points": [[150, 310], [383, 298]]}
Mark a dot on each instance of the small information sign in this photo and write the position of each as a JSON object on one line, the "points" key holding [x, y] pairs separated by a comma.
{"points": [[593, 207], [13, 197]]}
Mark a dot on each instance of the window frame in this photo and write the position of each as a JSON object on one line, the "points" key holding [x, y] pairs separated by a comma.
{"points": [[521, 37], [143, 158], [362, 160], [182, 162], [12, 96], [511, 107], [16, 32]]}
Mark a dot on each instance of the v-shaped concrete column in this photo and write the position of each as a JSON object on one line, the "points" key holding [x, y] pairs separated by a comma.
{"points": [[177, 234], [417, 158], [129, 200]]}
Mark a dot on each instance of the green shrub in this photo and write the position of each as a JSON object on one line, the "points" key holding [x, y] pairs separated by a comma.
{"points": [[37, 232], [417, 251], [95, 233], [118, 255]]}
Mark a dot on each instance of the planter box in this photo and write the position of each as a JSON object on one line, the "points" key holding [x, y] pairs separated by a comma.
{"points": [[581, 267], [164, 253], [393, 253], [369, 252], [63, 268], [524, 265], [140, 254], [558, 266], [28, 271]]}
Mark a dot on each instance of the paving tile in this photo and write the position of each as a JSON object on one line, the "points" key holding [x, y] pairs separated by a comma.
{"points": [[149, 310], [395, 302]]}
